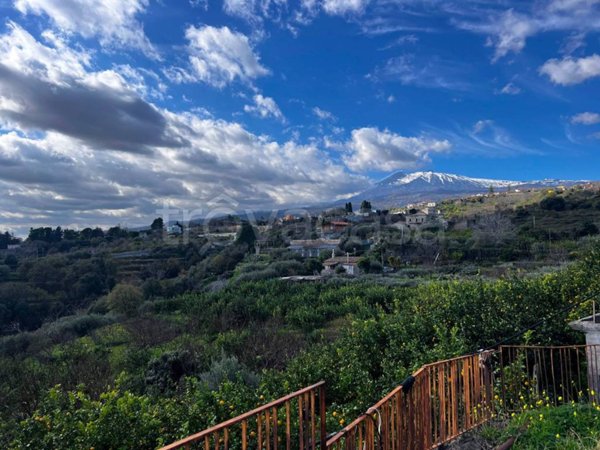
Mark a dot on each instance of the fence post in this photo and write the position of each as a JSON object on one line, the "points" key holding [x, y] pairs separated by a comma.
{"points": [[323, 414], [427, 431], [502, 387]]}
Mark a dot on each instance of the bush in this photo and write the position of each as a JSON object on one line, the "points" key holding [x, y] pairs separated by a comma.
{"points": [[125, 299], [4, 273], [553, 203], [165, 372], [228, 368]]}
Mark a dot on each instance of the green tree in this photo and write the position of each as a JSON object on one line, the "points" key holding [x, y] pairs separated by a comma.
{"points": [[157, 224], [247, 235], [125, 299], [4, 272]]}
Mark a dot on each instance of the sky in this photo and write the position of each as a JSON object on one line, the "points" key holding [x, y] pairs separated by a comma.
{"points": [[112, 110]]}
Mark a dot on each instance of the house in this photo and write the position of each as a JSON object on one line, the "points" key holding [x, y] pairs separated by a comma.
{"points": [[416, 219], [175, 229], [349, 263], [312, 248], [334, 226]]}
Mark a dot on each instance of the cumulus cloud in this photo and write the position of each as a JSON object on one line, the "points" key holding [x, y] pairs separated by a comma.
{"points": [[586, 118], [264, 107], [218, 56], [371, 148], [569, 71], [87, 149], [113, 22], [50, 87]]}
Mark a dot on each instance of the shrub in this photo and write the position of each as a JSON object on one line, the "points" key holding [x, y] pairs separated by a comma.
{"points": [[228, 368], [125, 299]]}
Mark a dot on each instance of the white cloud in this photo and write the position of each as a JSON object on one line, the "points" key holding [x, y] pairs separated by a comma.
{"points": [[113, 22], [509, 30], [344, 7], [264, 107], [254, 11], [323, 114], [58, 165], [481, 125], [569, 71], [510, 89], [586, 118], [423, 71], [54, 62], [219, 56], [371, 148]]}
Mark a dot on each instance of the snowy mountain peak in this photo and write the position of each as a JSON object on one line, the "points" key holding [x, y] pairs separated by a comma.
{"points": [[402, 187], [442, 179]]}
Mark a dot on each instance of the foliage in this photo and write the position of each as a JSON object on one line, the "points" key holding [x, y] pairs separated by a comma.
{"points": [[242, 341], [125, 299], [568, 427]]}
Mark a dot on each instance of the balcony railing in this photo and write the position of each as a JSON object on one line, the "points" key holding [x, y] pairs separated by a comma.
{"points": [[438, 403], [294, 421]]}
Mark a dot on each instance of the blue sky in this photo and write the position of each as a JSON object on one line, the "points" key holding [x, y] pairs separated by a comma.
{"points": [[110, 109]]}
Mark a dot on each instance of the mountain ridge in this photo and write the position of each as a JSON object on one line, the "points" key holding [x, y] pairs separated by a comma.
{"points": [[411, 187]]}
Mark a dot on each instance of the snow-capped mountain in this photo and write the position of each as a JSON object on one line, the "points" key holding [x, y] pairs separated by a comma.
{"points": [[401, 187]]}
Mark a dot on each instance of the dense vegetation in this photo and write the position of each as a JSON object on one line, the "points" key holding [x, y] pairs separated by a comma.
{"points": [[173, 366], [566, 427]]}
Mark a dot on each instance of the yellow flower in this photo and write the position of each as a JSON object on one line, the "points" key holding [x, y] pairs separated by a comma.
{"points": [[557, 436], [221, 402], [560, 398], [334, 414], [342, 421]]}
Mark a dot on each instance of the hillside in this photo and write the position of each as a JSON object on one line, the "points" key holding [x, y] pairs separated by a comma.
{"points": [[177, 365]]}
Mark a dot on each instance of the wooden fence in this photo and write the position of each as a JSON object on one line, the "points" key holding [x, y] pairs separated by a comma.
{"points": [[438, 403]]}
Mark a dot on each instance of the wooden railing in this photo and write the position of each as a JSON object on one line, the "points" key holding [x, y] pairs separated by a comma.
{"points": [[438, 403], [294, 421]]}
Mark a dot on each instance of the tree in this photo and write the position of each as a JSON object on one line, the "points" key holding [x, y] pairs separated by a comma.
{"points": [[7, 239], [365, 206], [125, 299], [157, 224], [246, 235], [348, 207], [11, 261], [4, 272], [553, 203]]}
